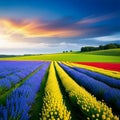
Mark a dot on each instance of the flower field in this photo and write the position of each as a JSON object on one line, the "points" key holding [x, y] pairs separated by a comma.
{"points": [[109, 66], [44, 90]]}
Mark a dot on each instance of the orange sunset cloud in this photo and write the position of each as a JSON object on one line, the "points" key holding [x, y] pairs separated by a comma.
{"points": [[33, 28]]}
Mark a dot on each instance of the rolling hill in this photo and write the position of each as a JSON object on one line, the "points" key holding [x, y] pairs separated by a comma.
{"points": [[111, 55], [109, 52]]}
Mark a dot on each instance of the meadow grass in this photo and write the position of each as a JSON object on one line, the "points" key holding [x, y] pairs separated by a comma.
{"points": [[96, 56], [109, 52]]}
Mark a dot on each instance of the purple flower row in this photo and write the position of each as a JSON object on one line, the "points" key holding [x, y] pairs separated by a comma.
{"points": [[95, 87], [19, 102], [11, 67], [8, 81], [112, 82]]}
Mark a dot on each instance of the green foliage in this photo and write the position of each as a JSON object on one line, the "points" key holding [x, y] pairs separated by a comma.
{"points": [[101, 47]]}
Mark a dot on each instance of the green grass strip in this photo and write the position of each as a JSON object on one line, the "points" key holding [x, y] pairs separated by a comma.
{"points": [[95, 56]]}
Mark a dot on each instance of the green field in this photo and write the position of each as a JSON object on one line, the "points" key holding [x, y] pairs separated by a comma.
{"points": [[112, 55], [110, 52]]}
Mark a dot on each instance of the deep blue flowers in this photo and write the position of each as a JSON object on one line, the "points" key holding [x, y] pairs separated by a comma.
{"points": [[19, 70], [99, 89], [112, 82], [19, 102]]}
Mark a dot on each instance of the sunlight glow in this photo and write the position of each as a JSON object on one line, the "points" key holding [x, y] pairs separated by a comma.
{"points": [[3, 41]]}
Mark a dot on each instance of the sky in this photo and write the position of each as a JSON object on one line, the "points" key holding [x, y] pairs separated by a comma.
{"points": [[51, 26]]}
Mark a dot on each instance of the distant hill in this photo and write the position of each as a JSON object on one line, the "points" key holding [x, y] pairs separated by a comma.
{"points": [[100, 47], [109, 52], [111, 55], [5, 56]]}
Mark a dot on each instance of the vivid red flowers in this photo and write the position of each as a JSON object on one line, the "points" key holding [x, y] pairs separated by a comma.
{"points": [[109, 66]]}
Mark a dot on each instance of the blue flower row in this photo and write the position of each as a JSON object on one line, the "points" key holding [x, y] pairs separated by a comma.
{"points": [[112, 82], [19, 102], [11, 67], [97, 88], [8, 81]]}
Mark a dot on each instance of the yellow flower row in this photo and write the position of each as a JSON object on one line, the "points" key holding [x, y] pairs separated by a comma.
{"points": [[92, 108], [53, 106], [114, 74]]}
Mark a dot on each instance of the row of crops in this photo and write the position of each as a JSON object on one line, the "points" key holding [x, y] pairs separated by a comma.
{"points": [[57, 91], [105, 65]]}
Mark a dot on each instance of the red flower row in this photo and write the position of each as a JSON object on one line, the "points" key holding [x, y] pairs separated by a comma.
{"points": [[108, 66]]}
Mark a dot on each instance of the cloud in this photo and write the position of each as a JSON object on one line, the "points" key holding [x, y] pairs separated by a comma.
{"points": [[93, 19], [114, 37], [66, 27], [33, 48], [33, 28]]}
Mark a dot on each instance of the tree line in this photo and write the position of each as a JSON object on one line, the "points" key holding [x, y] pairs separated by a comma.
{"points": [[100, 47]]}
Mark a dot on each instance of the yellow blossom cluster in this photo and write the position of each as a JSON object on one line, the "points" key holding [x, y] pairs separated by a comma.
{"points": [[92, 109], [111, 73], [53, 104]]}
